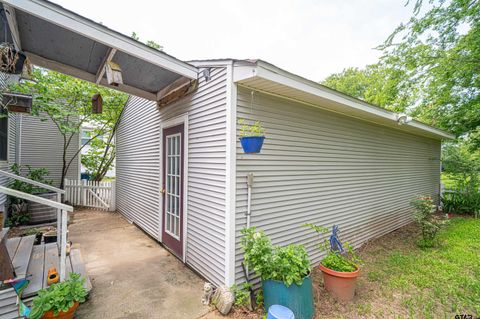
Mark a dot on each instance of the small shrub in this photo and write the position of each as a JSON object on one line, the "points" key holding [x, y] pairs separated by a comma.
{"points": [[462, 200], [242, 295], [288, 264], [423, 209], [17, 207], [247, 130]]}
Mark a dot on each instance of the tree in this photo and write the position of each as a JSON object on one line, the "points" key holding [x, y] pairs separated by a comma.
{"points": [[377, 84], [102, 152], [67, 102], [439, 53], [149, 43]]}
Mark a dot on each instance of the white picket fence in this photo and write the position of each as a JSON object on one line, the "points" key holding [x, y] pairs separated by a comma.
{"points": [[97, 195]]}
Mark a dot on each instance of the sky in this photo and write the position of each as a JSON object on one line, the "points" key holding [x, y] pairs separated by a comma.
{"points": [[312, 38]]}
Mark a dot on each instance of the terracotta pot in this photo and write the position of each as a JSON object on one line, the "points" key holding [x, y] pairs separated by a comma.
{"points": [[62, 315], [340, 284]]}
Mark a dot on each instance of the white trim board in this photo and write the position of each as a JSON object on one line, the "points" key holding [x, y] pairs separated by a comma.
{"points": [[230, 180], [181, 119]]}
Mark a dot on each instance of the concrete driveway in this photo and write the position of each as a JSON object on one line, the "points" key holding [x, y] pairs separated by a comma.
{"points": [[132, 275]]}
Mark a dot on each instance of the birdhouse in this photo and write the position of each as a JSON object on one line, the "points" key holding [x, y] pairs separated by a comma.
{"points": [[97, 103], [114, 73], [16, 102]]}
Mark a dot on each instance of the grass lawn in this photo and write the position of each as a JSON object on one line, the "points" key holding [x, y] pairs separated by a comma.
{"points": [[400, 280]]}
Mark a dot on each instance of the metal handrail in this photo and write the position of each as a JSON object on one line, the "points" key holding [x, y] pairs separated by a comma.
{"points": [[32, 182]]}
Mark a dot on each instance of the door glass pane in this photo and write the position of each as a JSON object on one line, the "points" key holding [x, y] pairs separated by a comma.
{"points": [[173, 182]]}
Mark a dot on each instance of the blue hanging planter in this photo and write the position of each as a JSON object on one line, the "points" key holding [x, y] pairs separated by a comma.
{"points": [[252, 144]]}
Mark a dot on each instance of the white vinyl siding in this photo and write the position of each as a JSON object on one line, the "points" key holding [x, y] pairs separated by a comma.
{"points": [[324, 168], [138, 170], [41, 146], [137, 161]]}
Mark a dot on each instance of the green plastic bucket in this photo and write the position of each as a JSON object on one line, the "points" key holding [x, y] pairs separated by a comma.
{"points": [[298, 298]]}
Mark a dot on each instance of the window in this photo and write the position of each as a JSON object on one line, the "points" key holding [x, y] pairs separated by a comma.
{"points": [[3, 136]]}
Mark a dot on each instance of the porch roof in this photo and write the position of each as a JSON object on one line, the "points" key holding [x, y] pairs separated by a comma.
{"points": [[61, 40]]}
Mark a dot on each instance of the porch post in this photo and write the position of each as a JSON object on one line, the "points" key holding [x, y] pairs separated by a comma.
{"points": [[59, 222], [63, 247]]}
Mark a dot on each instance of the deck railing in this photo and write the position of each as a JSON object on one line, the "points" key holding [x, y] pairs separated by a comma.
{"points": [[62, 212]]}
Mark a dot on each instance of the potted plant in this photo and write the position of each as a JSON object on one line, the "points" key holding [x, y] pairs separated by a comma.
{"points": [[340, 267], [59, 300], [284, 271], [251, 136]]}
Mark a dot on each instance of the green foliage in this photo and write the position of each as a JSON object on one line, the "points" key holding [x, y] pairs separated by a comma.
{"points": [[423, 209], [377, 84], [462, 164], [288, 264], [59, 297], [462, 201], [438, 51], [67, 102], [149, 43], [336, 261], [36, 174], [254, 129], [17, 207], [242, 295], [259, 298], [346, 261], [100, 156]]}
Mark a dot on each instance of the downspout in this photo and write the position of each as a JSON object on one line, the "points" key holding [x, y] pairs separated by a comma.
{"points": [[249, 197]]}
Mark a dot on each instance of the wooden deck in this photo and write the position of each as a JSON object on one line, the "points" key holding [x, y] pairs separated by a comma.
{"points": [[34, 261]]}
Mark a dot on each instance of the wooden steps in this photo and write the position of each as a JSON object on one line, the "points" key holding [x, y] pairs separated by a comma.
{"points": [[46, 256], [20, 251], [33, 261]]}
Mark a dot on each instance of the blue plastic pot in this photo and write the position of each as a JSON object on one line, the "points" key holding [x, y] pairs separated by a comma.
{"points": [[298, 298], [252, 144]]}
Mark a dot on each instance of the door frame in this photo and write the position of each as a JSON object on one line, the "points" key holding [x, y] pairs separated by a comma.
{"points": [[174, 121]]}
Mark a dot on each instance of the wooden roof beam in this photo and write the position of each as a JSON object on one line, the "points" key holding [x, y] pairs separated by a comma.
{"points": [[175, 91], [101, 70]]}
